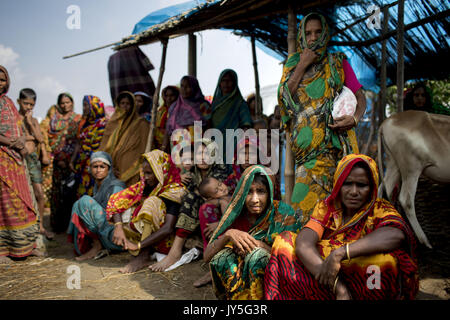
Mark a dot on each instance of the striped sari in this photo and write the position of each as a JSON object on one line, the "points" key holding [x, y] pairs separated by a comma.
{"points": [[287, 278]]}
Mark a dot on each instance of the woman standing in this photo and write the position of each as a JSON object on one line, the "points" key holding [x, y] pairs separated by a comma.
{"points": [[125, 138], [169, 95], [60, 132], [90, 134], [312, 77], [239, 249]]}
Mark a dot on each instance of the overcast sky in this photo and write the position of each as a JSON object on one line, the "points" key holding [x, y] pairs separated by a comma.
{"points": [[34, 37]]}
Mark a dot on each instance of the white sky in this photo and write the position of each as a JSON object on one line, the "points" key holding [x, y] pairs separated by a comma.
{"points": [[34, 38]]}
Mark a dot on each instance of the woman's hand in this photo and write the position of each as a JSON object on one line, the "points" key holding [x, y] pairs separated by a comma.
{"points": [[343, 123], [119, 237], [330, 267], [307, 57], [18, 143], [186, 178], [210, 228], [243, 243]]}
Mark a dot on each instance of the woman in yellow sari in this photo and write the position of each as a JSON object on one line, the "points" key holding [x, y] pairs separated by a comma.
{"points": [[355, 246], [125, 138], [312, 78]]}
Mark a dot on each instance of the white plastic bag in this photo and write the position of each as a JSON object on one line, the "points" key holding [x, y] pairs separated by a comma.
{"points": [[344, 104]]}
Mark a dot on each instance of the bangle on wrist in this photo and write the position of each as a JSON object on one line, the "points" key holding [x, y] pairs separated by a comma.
{"points": [[118, 223], [335, 284], [347, 251], [139, 246], [356, 120]]}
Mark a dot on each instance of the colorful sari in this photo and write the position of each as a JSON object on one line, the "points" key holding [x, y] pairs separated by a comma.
{"points": [[242, 278], [88, 220], [143, 215], [60, 134], [125, 139], [287, 277], [307, 114], [90, 134], [161, 119], [18, 222]]}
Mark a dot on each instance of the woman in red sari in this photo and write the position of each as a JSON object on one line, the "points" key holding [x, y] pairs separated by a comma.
{"points": [[18, 220], [355, 245]]}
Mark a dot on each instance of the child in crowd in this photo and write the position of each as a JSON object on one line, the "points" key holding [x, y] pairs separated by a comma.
{"points": [[34, 145], [186, 167]]}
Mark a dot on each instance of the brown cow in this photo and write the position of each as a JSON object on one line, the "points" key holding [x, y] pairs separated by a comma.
{"points": [[415, 143]]}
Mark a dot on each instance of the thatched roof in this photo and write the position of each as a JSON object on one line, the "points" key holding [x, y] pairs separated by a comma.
{"points": [[426, 25]]}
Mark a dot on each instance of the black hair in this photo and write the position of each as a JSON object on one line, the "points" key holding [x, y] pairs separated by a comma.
{"points": [[263, 179], [27, 93], [409, 101], [62, 95], [202, 187]]}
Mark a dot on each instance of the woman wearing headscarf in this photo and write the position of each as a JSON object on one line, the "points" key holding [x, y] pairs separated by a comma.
{"points": [[420, 98], [125, 138], [190, 106], [90, 134], [144, 105], [88, 228], [239, 249], [18, 223], [229, 109], [60, 134], [312, 78], [169, 95], [355, 246], [144, 214]]}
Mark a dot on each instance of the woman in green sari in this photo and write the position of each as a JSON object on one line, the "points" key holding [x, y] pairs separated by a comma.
{"points": [[239, 249]]}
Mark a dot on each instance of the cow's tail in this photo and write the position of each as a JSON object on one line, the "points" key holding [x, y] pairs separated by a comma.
{"points": [[380, 160]]}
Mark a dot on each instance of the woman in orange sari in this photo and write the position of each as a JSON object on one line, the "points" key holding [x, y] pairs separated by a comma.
{"points": [[355, 245]]}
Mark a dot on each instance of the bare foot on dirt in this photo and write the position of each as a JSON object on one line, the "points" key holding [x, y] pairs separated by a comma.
{"points": [[204, 280], [48, 234], [137, 263], [96, 248], [166, 262], [38, 253], [5, 260]]}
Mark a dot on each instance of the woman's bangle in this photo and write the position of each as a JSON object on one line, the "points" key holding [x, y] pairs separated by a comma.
{"points": [[335, 284], [347, 251], [139, 246], [118, 223], [356, 120]]}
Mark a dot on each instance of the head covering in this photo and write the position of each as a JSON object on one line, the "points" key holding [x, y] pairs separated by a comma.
{"points": [[60, 96], [320, 45], [102, 194], [146, 110], [96, 109], [8, 80], [169, 184], [229, 111], [125, 139], [184, 112], [277, 217]]}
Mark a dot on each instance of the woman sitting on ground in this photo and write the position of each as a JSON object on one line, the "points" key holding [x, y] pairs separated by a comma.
{"points": [[355, 245], [239, 249], [88, 229], [144, 215]]}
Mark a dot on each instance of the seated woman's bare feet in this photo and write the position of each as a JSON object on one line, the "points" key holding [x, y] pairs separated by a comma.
{"points": [[165, 263], [5, 260], [38, 253], [131, 245], [137, 263], [96, 248], [204, 280]]}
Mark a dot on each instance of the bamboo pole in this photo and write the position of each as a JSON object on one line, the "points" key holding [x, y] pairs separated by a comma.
{"points": [[192, 55], [383, 72], [289, 174], [156, 96], [258, 105], [400, 58]]}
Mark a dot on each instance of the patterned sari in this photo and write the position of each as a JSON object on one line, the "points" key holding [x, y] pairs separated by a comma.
{"points": [[90, 133], [161, 118], [125, 139], [18, 222], [287, 277], [242, 278], [307, 114], [143, 215]]}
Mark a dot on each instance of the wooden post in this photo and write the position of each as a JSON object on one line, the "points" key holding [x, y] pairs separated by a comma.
{"points": [[156, 97], [289, 173], [400, 58], [192, 55], [383, 87], [258, 105]]}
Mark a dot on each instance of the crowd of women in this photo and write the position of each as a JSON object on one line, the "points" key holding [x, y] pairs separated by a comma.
{"points": [[258, 247]]}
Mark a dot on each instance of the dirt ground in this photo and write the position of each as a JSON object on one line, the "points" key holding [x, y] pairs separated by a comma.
{"points": [[46, 278]]}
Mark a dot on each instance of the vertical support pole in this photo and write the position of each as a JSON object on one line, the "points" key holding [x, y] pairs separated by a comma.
{"points": [[383, 72], [258, 105], [400, 57], [289, 174], [192, 55], [151, 133]]}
